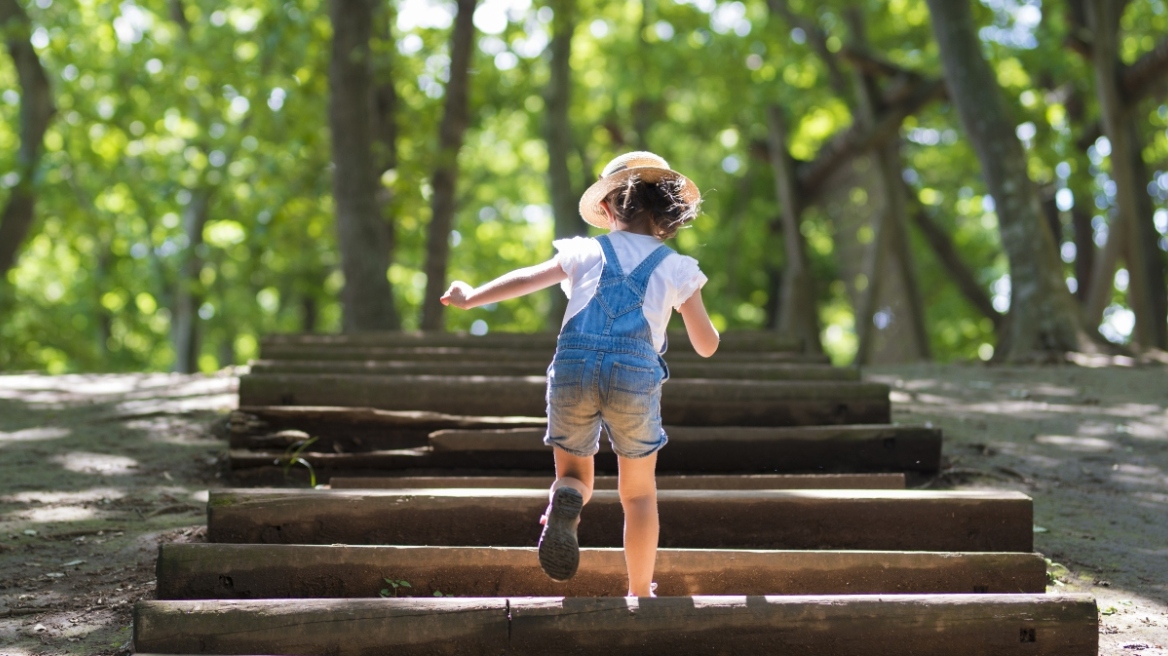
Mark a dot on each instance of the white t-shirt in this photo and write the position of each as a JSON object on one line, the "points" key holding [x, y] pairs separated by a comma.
{"points": [[674, 280]]}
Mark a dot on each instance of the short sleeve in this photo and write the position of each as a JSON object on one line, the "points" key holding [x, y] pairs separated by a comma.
{"points": [[687, 279], [572, 253]]}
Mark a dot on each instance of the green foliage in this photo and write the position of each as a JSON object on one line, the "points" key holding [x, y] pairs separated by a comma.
{"points": [[292, 458], [395, 585], [153, 115]]}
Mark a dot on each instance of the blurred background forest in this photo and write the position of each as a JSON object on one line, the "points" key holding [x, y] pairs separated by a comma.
{"points": [[181, 177]]}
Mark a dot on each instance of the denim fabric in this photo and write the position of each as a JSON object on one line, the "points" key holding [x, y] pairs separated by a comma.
{"points": [[606, 371]]}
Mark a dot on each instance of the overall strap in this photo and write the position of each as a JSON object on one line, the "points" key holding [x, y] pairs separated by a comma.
{"points": [[640, 276], [612, 267]]}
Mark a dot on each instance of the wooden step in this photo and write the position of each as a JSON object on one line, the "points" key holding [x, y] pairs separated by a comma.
{"points": [[810, 449], [857, 625], [883, 520], [710, 369], [741, 482], [265, 571], [351, 429], [734, 340], [527, 354], [684, 402], [855, 448]]}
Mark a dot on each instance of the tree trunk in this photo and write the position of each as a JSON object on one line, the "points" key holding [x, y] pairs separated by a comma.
{"points": [[362, 234], [558, 133], [946, 253], [445, 180], [891, 238], [188, 291], [385, 104], [798, 315], [1043, 313], [1151, 329], [36, 110], [1084, 250]]}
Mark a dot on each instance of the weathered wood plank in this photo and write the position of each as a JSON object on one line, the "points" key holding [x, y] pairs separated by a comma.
{"points": [[351, 429], [711, 369], [857, 625], [666, 482], [818, 449], [734, 340], [854, 448], [883, 520], [471, 354], [684, 402], [250, 571]]}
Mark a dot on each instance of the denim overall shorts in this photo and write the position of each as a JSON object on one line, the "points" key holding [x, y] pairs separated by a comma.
{"points": [[606, 371]]}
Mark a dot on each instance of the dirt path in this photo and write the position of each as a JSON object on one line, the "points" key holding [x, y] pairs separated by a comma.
{"points": [[96, 471], [1091, 447]]}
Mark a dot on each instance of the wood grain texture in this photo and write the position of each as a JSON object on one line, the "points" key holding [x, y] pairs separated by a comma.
{"points": [[253, 571], [665, 482], [874, 625], [684, 402], [886, 520]]}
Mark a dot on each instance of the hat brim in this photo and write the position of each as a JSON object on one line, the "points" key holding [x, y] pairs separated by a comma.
{"points": [[590, 209]]}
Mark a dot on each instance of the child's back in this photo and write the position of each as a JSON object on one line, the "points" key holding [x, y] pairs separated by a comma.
{"points": [[608, 370]]}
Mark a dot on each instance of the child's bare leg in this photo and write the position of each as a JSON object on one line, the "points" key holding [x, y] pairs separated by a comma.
{"points": [[575, 472], [638, 494]]}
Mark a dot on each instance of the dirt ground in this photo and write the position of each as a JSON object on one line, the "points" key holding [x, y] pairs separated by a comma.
{"points": [[96, 471]]}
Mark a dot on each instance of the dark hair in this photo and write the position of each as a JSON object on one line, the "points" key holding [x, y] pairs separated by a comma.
{"points": [[662, 204]]}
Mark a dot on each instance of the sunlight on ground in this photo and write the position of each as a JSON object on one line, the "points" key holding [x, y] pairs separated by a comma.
{"points": [[1072, 443], [96, 463], [34, 435], [54, 514], [92, 494]]}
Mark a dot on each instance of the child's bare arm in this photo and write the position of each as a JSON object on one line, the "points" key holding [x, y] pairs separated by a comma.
{"points": [[702, 333], [509, 285]]}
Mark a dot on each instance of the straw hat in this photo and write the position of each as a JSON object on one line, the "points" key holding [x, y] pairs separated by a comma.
{"points": [[647, 166]]}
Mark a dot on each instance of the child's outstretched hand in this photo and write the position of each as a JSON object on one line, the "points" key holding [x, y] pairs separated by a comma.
{"points": [[457, 294]]}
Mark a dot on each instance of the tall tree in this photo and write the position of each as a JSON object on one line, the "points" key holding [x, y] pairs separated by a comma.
{"points": [[385, 102], [36, 110], [798, 315], [558, 134], [1145, 265], [1043, 317], [890, 242], [362, 233], [188, 291], [444, 183]]}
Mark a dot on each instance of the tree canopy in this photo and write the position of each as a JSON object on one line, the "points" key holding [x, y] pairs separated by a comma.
{"points": [[189, 157]]}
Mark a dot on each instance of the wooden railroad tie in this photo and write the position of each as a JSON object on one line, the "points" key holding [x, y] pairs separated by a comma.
{"points": [[712, 370], [802, 449], [664, 482], [265, 571], [478, 354], [687, 403], [858, 625], [733, 341], [886, 520]]}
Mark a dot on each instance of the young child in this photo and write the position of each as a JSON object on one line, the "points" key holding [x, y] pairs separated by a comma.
{"points": [[607, 370]]}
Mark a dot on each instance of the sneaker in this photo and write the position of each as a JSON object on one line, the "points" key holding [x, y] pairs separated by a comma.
{"points": [[559, 549]]}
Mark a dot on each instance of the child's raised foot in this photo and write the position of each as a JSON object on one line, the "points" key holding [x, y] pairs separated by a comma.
{"points": [[559, 549]]}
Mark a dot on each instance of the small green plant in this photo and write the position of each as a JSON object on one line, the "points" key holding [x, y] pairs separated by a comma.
{"points": [[394, 586], [292, 458], [1054, 571], [439, 593]]}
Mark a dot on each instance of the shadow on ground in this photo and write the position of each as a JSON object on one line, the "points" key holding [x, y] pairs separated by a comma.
{"points": [[95, 472], [1091, 447]]}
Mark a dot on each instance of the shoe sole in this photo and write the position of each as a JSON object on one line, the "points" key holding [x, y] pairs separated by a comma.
{"points": [[559, 549]]}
